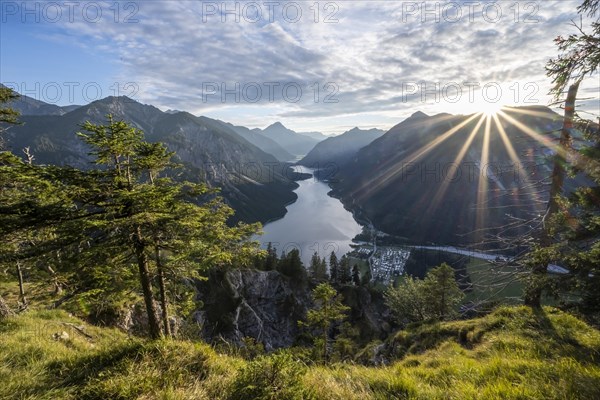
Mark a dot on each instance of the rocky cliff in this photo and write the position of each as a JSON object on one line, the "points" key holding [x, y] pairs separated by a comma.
{"points": [[267, 306]]}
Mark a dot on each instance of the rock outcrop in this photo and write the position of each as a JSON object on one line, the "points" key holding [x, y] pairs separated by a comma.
{"points": [[266, 306]]}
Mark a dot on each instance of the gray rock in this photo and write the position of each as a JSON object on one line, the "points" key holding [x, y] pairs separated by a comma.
{"points": [[263, 305]]}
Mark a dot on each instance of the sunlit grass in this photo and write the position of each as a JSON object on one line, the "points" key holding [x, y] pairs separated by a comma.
{"points": [[513, 353]]}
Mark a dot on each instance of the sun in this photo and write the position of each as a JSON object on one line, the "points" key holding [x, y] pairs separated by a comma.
{"points": [[490, 109]]}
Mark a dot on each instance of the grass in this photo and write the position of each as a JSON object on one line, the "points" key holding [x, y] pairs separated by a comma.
{"points": [[110, 365], [513, 353]]}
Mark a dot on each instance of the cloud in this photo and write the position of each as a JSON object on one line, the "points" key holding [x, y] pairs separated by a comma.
{"points": [[368, 54]]}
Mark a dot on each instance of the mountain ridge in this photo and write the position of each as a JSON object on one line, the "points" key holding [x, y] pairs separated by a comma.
{"points": [[252, 181], [338, 150], [402, 182]]}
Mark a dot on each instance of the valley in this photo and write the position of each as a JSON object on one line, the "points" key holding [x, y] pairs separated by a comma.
{"points": [[300, 201]]}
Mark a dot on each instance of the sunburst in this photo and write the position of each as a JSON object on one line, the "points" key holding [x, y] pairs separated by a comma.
{"points": [[491, 120]]}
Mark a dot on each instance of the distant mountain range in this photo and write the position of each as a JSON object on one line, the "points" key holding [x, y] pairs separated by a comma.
{"points": [[315, 135], [421, 180], [29, 106], [338, 150], [293, 142], [251, 180], [263, 142]]}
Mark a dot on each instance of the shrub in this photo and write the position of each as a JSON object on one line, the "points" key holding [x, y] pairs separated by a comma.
{"points": [[274, 377]]}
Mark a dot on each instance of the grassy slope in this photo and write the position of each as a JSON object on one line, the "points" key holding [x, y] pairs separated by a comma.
{"points": [[510, 354]]}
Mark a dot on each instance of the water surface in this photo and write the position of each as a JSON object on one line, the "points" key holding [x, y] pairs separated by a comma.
{"points": [[314, 222]]}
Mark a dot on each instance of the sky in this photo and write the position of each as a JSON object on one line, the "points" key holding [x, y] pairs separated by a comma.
{"points": [[314, 65]]}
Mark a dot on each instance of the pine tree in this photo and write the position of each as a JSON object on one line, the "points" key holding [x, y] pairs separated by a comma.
{"points": [[271, 258], [317, 269], [579, 57], [156, 217], [441, 291], [334, 267], [328, 310], [345, 275], [356, 275], [323, 274], [408, 301], [434, 297], [118, 214], [8, 115], [291, 265]]}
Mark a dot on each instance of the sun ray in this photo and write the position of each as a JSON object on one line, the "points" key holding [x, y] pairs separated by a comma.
{"points": [[540, 114], [457, 160], [543, 140], [397, 167], [522, 176], [482, 187]]}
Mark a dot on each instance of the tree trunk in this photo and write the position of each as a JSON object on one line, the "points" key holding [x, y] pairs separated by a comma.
{"points": [[534, 294], [559, 172], [163, 293], [21, 288], [142, 259]]}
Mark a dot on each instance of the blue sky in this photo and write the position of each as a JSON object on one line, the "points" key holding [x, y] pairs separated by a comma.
{"points": [[374, 63]]}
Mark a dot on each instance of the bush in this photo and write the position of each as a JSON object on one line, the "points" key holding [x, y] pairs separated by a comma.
{"points": [[274, 377]]}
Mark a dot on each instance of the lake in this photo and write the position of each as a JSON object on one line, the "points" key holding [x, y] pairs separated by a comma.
{"points": [[314, 222]]}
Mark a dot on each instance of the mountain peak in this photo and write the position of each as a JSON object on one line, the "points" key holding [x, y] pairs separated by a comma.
{"points": [[275, 125], [117, 99], [419, 114]]}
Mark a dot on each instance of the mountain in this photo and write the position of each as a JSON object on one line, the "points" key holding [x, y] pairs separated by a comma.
{"points": [[421, 180], [338, 150], [291, 141], [29, 106], [314, 135], [263, 142], [251, 181]]}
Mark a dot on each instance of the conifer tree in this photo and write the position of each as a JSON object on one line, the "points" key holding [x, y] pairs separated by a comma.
{"points": [[155, 217], [271, 258], [125, 211], [356, 275], [345, 274], [291, 265], [328, 310], [441, 291], [8, 115], [317, 269], [578, 58], [334, 267]]}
